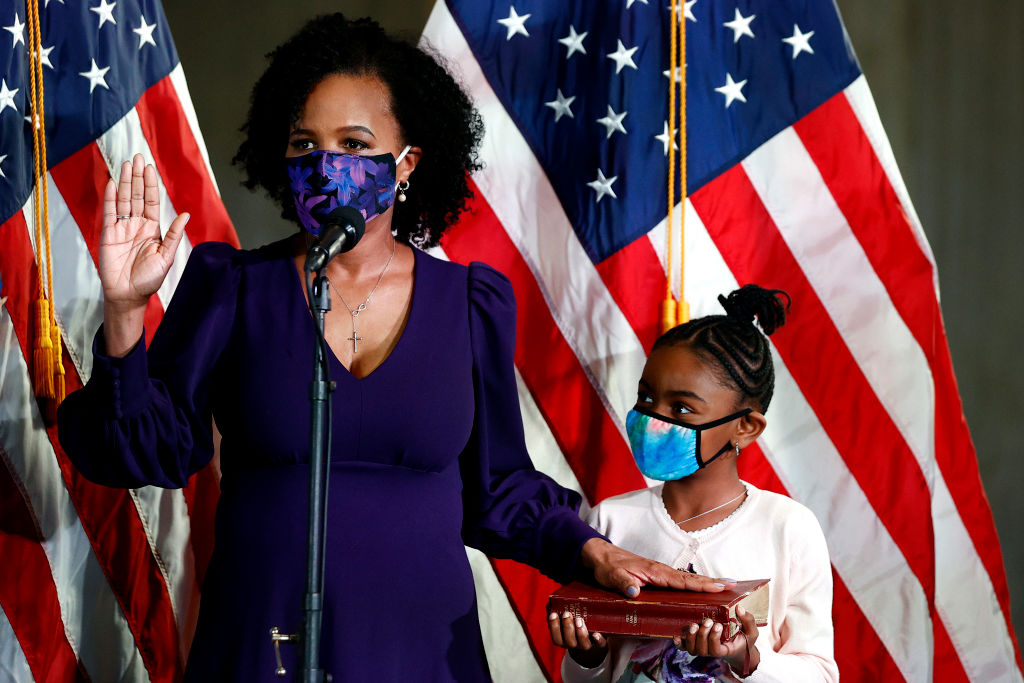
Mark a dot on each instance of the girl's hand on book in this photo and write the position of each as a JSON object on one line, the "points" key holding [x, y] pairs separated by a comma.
{"points": [[627, 572], [587, 649], [739, 652]]}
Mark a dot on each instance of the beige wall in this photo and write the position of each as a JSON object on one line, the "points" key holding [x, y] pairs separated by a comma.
{"points": [[948, 78]]}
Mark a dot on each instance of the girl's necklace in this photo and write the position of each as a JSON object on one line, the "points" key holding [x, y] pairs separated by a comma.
{"points": [[708, 512]]}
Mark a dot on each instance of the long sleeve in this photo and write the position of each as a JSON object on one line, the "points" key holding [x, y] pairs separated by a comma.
{"points": [[145, 419], [804, 652], [511, 510]]}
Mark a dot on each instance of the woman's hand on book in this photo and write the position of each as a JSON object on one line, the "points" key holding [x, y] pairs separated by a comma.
{"points": [[587, 649], [627, 572], [739, 652]]}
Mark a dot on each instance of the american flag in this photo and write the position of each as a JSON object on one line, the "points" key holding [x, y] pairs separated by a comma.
{"points": [[792, 185], [95, 583]]}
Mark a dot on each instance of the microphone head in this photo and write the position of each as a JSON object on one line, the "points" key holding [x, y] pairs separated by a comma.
{"points": [[350, 221]]}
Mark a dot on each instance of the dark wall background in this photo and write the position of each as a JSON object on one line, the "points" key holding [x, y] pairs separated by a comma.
{"points": [[948, 80]]}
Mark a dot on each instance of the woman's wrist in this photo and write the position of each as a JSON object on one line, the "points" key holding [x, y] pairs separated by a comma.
{"points": [[122, 327]]}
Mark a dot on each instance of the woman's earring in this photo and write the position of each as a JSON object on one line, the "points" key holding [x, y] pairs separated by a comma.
{"points": [[737, 446], [402, 187]]}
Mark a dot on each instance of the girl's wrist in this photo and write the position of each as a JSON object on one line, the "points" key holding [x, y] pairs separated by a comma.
{"points": [[744, 663]]}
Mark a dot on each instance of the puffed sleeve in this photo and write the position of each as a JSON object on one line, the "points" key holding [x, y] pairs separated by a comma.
{"points": [[145, 419], [511, 510]]}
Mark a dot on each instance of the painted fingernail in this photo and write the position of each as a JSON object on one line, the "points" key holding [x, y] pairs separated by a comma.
{"points": [[707, 623], [632, 591], [741, 610], [579, 622], [720, 585], [693, 628], [552, 616], [717, 628], [567, 614], [598, 638], [728, 580]]}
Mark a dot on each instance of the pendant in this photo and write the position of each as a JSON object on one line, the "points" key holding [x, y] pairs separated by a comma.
{"points": [[355, 338]]}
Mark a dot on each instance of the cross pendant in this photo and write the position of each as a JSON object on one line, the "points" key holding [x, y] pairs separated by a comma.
{"points": [[355, 339]]}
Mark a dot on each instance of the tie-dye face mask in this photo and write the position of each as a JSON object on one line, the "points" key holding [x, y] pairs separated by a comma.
{"points": [[321, 181], [666, 449]]}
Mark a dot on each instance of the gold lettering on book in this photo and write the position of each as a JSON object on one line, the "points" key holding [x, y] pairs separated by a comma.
{"points": [[632, 619]]}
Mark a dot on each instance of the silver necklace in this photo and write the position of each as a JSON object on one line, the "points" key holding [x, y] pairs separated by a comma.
{"points": [[708, 512], [354, 312]]}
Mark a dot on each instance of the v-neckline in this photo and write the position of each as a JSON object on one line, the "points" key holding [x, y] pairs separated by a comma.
{"points": [[304, 305]]}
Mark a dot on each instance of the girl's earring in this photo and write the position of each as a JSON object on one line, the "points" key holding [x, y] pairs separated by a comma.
{"points": [[402, 187]]}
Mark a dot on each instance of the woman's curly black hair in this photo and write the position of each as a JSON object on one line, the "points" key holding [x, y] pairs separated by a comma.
{"points": [[733, 342], [432, 112]]}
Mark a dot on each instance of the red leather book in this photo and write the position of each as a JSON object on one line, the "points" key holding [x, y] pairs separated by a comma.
{"points": [[660, 613]]}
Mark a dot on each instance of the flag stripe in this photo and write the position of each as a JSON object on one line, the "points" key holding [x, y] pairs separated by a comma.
{"points": [[12, 658], [859, 96], [814, 473], [732, 211], [28, 595], [96, 618], [177, 79], [635, 277], [108, 515], [181, 164], [565, 395], [906, 273], [162, 513]]}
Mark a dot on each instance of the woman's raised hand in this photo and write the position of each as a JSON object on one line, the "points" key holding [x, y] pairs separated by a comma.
{"points": [[133, 258]]}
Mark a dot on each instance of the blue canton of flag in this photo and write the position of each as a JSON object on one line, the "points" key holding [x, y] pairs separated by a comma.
{"points": [[587, 85], [98, 58]]}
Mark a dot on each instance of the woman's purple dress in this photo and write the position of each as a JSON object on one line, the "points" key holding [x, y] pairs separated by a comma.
{"points": [[428, 454]]}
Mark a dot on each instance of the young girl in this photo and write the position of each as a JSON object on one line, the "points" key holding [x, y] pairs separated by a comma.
{"points": [[700, 402]]}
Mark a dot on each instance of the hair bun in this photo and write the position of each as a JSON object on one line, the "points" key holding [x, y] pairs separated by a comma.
{"points": [[751, 301]]}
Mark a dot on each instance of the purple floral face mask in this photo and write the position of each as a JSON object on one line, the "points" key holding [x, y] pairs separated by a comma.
{"points": [[321, 181]]}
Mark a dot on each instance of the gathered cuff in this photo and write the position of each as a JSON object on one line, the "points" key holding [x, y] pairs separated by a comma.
{"points": [[120, 382]]}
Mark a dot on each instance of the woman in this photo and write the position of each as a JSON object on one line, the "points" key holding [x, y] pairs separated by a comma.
{"points": [[428, 450]]}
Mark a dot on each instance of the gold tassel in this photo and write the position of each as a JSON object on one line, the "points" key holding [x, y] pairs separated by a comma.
{"points": [[683, 313], [42, 354], [58, 362], [668, 314]]}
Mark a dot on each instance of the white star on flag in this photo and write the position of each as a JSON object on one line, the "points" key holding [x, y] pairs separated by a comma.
{"points": [[629, 3], [740, 26], [105, 12], [613, 122], [801, 42], [2, 175], [732, 90], [603, 186], [664, 138], [514, 23], [622, 57], [44, 56], [17, 30], [96, 76], [678, 74], [145, 32], [574, 41], [561, 105], [7, 96]]}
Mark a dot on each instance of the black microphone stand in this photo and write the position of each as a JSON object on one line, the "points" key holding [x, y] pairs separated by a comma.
{"points": [[319, 461]]}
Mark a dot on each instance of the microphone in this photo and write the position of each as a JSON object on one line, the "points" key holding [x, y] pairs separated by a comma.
{"points": [[342, 230]]}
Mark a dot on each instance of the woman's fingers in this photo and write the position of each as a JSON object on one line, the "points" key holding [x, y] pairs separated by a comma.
{"points": [[124, 190], [138, 185], [109, 200], [173, 236], [151, 194]]}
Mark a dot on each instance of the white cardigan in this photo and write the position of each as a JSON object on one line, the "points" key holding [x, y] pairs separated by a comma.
{"points": [[768, 536]]}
